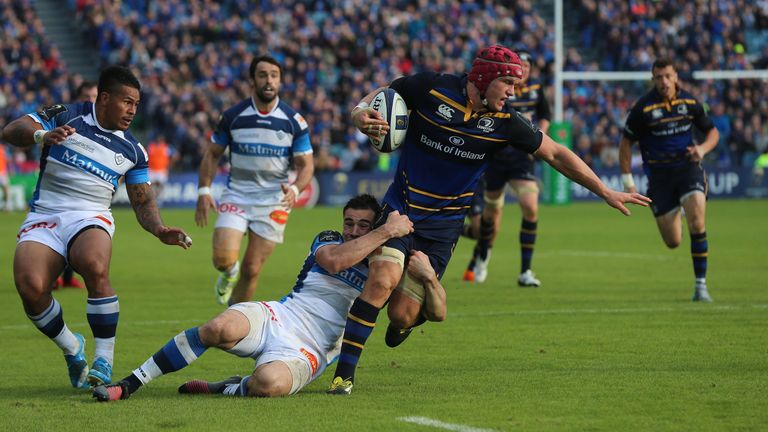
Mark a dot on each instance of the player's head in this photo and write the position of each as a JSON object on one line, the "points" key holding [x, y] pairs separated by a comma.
{"points": [[495, 70], [266, 75], [665, 77], [118, 98], [526, 59], [87, 91], [360, 213]]}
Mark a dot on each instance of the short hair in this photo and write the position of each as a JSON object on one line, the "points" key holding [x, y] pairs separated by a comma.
{"points": [[85, 85], [264, 58], [114, 76], [364, 202], [663, 62]]}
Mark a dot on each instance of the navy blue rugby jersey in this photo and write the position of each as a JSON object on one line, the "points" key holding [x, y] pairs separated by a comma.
{"points": [[528, 100], [447, 147], [664, 129]]}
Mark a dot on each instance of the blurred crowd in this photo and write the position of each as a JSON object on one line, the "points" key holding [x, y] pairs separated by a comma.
{"points": [[192, 58]]}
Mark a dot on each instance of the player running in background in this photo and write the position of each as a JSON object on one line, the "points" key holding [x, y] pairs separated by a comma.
{"points": [[86, 148], [264, 135], [455, 124], [662, 122], [87, 91], [161, 157], [292, 340], [5, 184], [514, 167]]}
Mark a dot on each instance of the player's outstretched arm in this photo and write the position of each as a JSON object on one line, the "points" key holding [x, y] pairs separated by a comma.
{"points": [[625, 164], [144, 205], [207, 171], [566, 161], [336, 258], [25, 132], [435, 305]]}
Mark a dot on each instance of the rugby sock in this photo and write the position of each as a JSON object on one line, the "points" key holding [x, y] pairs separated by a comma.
{"points": [[103, 314], [179, 352], [484, 243], [467, 231], [699, 252], [51, 324], [360, 322], [527, 242], [234, 270]]}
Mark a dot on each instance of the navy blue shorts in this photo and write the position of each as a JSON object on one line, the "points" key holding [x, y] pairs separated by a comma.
{"points": [[501, 170], [436, 240], [667, 185]]}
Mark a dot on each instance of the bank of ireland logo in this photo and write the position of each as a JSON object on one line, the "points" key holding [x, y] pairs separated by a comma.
{"points": [[445, 111], [456, 140], [485, 124], [119, 158]]}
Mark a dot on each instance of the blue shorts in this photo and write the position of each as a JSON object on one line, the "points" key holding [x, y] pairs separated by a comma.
{"points": [[666, 186], [513, 166], [436, 240]]}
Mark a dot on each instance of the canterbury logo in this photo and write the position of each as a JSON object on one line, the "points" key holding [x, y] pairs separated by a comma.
{"points": [[445, 111]]}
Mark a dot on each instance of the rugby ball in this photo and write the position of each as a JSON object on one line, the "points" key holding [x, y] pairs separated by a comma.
{"points": [[392, 108]]}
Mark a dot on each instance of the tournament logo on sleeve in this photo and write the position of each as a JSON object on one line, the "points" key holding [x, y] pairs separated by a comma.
{"points": [[300, 120]]}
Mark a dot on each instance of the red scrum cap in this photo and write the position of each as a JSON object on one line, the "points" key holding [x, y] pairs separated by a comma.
{"points": [[494, 62]]}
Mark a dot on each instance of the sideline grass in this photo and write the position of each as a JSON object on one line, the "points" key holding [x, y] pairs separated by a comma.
{"points": [[610, 341]]}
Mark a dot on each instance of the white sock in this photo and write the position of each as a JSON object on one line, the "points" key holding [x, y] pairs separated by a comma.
{"points": [[234, 270], [105, 348], [67, 341]]}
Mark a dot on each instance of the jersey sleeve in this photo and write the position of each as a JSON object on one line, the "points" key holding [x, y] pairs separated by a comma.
{"points": [[700, 118], [140, 172], [326, 238], [634, 127], [524, 135], [53, 116], [301, 144], [412, 87], [222, 135]]}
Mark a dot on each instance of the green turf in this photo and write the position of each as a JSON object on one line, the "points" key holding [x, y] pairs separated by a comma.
{"points": [[610, 342]]}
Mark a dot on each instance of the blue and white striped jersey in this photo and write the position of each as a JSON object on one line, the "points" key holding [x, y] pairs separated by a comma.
{"points": [[319, 301], [81, 173], [261, 147]]}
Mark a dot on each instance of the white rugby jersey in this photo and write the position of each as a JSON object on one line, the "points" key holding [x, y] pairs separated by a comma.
{"points": [[260, 150], [81, 172], [319, 301]]}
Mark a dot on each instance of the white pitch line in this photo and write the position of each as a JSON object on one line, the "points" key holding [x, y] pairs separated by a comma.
{"points": [[425, 421]]}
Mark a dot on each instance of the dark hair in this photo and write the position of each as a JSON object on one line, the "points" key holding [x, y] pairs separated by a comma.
{"points": [[85, 85], [364, 202], [264, 58], [663, 62], [115, 76]]}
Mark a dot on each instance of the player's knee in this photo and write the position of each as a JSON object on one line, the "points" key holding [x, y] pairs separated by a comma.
{"points": [[267, 385], [250, 271], [223, 263], [32, 288], [672, 243], [213, 332]]}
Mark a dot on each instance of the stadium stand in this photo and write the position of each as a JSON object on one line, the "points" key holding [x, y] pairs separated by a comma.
{"points": [[192, 58]]}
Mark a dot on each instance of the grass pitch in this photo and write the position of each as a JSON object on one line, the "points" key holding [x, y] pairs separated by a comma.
{"points": [[610, 342]]}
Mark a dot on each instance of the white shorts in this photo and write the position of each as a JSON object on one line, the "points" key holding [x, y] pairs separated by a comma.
{"points": [[4, 178], [58, 230], [270, 339], [266, 221]]}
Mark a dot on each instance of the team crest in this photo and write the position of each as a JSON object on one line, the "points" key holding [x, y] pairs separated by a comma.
{"points": [[682, 109], [456, 140], [656, 114], [119, 158], [280, 135], [485, 124], [533, 95]]}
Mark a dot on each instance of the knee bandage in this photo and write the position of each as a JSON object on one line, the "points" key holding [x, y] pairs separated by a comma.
{"points": [[385, 253]]}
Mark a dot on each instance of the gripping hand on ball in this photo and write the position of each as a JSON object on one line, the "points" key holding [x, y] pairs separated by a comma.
{"points": [[370, 122]]}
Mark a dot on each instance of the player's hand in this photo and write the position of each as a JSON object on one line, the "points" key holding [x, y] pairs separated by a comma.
{"points": [[617, 200], [174, 237], [399, 225], [370, 122], [694, 153], [58, 135], [631, 189], [289, 196], [420, 268], [204, 203]]}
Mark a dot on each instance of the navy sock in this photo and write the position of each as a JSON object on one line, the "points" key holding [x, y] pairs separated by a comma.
{"points": [[360, 323], [699, 252], [527, 243]]}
